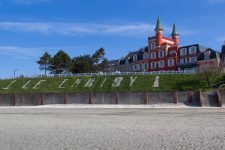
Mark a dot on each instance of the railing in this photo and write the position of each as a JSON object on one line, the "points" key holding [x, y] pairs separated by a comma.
{"points": [[186, 63], [106, 74]]}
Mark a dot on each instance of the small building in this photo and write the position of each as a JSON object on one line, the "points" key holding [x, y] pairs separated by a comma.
{"points": [[223, 52], [209, 60], [112, 65], [140, 61], [125, 64], [188, 57], [222, 55]]}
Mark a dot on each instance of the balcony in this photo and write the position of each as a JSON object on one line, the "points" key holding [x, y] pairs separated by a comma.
{"points": [[186, 64]]}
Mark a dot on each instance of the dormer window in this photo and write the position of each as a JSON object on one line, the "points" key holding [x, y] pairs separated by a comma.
{"points": [[206, 55], [192, 50], [183, 51], [135, 57]]}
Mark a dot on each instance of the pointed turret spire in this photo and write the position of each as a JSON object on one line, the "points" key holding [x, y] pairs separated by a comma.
{"points": [[158, 25], [174, 32]]}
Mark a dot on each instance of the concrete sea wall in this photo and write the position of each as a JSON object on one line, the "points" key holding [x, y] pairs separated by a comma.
{"points": [[132, 98], [222, 97]]}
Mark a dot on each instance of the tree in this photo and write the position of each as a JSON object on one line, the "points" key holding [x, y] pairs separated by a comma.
{"points": [[44, 62], [60, 63], [89, 64], [82, 64], [209, 73], [98, 56], [103, 66], [99, 61]]}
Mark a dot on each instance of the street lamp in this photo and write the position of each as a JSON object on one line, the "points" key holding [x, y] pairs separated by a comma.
{"points": [[14, 73]]}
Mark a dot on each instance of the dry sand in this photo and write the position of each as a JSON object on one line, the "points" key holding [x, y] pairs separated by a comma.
{"points": [[111, 129]]}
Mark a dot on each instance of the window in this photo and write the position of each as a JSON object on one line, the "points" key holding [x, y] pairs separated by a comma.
{"points": [[135, 57], [153, 65], [192, 50], [143, 67], [170, 62], [145, 56], [172, 52], [146, 66], [153, 55], [183, 51], [127, 61], [135, 67], [192, 59], [153, 45], [206, 56], [183, 60], [161, 64], [161, 54]]}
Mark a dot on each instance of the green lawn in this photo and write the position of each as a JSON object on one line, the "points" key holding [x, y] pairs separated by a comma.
{"points": [[142, 83]]}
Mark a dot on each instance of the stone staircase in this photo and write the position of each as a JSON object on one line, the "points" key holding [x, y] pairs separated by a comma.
{"points": [[210, 99]]}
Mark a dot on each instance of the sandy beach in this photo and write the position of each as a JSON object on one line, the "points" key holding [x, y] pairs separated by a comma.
{"points": [[60, 128]]}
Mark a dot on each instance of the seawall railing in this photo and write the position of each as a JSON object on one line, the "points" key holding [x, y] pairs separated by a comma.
{"points": [[102, 74]]}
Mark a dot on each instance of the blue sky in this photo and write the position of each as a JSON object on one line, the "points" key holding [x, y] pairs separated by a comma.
{"points": [[28, 28]]}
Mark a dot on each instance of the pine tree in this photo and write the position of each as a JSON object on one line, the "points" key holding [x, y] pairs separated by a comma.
{"points": [[60, 63], [44, 62]]}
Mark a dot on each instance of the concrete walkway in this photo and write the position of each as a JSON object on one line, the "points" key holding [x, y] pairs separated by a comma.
{"points": [[80, 106]]}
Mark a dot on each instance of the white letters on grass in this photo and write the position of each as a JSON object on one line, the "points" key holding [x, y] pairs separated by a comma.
{"points": [[89, 83], [61, 85], [117, 82], [132, 80], [156, 83], [76, 83], [38, 84], [12, 82], [25, 85], [103, 82]]}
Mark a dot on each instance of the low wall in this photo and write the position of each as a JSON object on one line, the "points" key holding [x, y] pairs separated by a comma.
{"points": [[54, 99], [222, 96], [161, 97], [132, 98], [77, 98], [7, 100]]}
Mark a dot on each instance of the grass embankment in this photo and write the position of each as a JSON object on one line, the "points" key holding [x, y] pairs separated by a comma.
{"points": [[142, 83]]}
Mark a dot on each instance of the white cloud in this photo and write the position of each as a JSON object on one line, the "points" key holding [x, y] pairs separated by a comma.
{"points": [[207, 3], [74, 29], [33, 53], [20, 52], [79, 29], [28, 2]]}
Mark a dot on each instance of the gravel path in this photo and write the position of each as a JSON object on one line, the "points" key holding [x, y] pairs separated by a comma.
{"points": [[111, 129]]}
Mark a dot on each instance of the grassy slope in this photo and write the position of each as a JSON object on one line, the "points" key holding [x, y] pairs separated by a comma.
{"points": [[143, 83]]}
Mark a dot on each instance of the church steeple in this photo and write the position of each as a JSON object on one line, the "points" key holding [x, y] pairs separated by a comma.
{"points": [[158, 30], [158, 25], [174, 32]]}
